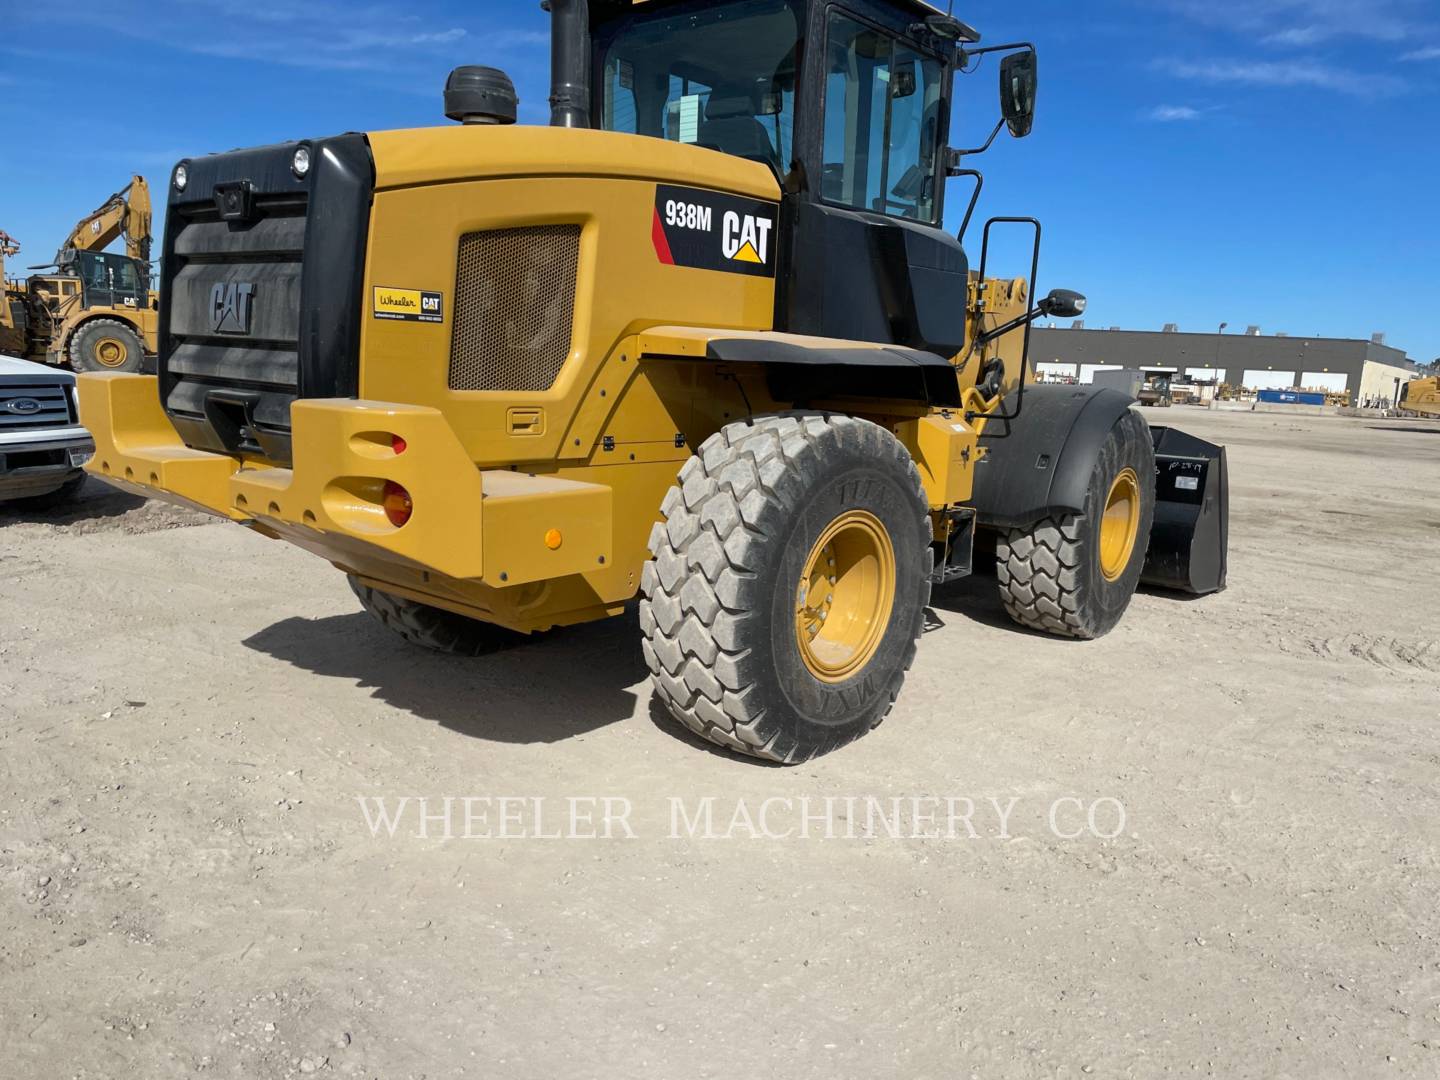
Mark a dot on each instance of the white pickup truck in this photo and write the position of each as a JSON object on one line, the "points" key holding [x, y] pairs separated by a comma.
{"points": [[42, 445]]}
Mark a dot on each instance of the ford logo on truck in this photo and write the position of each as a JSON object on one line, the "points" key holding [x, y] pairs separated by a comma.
{"points": [[23, 406]]}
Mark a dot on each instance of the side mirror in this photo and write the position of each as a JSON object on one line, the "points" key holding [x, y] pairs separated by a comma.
{"points": [[1063, 304], [1019, 78], [902, 81]]}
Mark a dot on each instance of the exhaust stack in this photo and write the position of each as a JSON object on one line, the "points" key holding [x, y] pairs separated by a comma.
{"points": [[569, 62]]}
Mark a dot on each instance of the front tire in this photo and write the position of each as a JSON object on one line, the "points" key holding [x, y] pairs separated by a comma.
{"points": [[62, 496], [1073, 575], [106, 345], [788, 584], [434, 628]]}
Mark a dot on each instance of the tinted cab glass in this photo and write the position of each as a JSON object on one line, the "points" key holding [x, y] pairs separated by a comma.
{"points": [[111, 280], [882, 122], [718, 77]]}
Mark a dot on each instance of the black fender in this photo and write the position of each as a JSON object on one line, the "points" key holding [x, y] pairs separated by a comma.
{"points": [[1041, 462], [800, 369]]}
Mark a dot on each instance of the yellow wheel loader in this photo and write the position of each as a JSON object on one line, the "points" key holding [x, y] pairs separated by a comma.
{"points": [[702, 342], [1421, 397], [12, 303], [94, 310]]}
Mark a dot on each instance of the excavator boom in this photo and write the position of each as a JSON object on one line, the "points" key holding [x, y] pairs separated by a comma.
{"points": [[124, 214], [9, 247], [12, 336]]}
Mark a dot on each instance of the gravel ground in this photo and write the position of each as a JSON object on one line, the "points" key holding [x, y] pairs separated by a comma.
{"points": [[189, 885]]}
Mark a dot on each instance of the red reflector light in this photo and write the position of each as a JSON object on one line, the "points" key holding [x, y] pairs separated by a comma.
{"points": [[397, 503], [398, 444]]}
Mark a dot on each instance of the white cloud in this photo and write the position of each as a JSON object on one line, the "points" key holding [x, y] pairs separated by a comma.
{"points": [[1304, 23], [319, 35], [444, 37], [1430, 53], [1282, 73], [1169, 114], [1299, 36]]}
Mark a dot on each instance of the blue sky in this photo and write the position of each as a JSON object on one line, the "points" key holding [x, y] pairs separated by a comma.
{"points": [[1272, 162]]}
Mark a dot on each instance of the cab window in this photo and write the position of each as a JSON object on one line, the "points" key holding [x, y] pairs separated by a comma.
{"points": [[721, 77], [882, 122]]}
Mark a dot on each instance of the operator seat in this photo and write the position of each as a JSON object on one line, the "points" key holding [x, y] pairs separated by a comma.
{"points": [[732, 126]]}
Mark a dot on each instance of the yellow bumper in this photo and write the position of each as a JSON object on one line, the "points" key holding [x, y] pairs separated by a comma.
{"points": [[499, 528]]}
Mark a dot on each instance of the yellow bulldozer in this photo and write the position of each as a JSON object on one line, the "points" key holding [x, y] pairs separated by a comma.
{"points": [[702, 343], [91, 309]]}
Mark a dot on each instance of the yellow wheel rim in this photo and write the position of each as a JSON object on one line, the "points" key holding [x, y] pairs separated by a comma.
{"points": [[845, 595], [111, 352], [1120, 525]]}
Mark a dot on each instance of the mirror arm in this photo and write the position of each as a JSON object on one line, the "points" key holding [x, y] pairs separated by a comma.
{"points": [[974, 198], [1044, 309], [980, 150], [1012, 47], [1014, 324]]}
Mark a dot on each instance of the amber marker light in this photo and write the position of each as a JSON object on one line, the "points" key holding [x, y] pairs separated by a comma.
{"points": [[398, 504]]}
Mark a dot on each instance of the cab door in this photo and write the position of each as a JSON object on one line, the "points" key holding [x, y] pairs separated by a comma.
{"points": [[865, 257], [111, 281]]}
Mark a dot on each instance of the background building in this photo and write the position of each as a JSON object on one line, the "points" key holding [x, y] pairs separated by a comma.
{"points": [[1368, 370]]}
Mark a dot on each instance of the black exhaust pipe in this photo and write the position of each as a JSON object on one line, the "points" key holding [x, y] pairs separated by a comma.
{"points": [[569, 62]]}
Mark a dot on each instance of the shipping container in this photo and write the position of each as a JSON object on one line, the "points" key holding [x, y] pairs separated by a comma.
{"points": [[1289, 397]]}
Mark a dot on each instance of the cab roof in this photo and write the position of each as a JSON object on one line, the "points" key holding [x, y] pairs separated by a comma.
{"points": [[925, 7]]}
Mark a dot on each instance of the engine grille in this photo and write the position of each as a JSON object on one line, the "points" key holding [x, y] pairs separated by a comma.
{"points": [[261, 291], [40, 404], [514, 307], [263, 363]]}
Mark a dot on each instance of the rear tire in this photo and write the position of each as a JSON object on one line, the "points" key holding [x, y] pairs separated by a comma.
{"points": [[1072, 575], [744, 649], [435, 628], [106, 345]]}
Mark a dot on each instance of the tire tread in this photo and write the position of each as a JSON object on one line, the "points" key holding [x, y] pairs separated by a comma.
{"points": [[699, 594], [435, 628]]}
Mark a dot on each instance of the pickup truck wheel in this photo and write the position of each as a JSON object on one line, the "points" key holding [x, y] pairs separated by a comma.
{"points": [[435, 628], [61, 496], [1073, 575], [788, 584], [106, 345]]}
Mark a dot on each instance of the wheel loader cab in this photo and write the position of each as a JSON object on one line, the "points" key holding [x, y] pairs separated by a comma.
{"points": [[718, 76], [111, 280], [849, 105]]}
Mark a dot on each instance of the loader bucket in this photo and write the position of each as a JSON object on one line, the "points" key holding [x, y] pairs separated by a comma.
{"points": [[1190, 537]]}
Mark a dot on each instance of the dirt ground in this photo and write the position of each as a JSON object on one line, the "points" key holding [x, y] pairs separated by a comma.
{"points": [[189, 884]]}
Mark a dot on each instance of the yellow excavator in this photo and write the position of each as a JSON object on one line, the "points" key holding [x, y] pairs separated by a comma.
{"points": [[90, 308]]}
